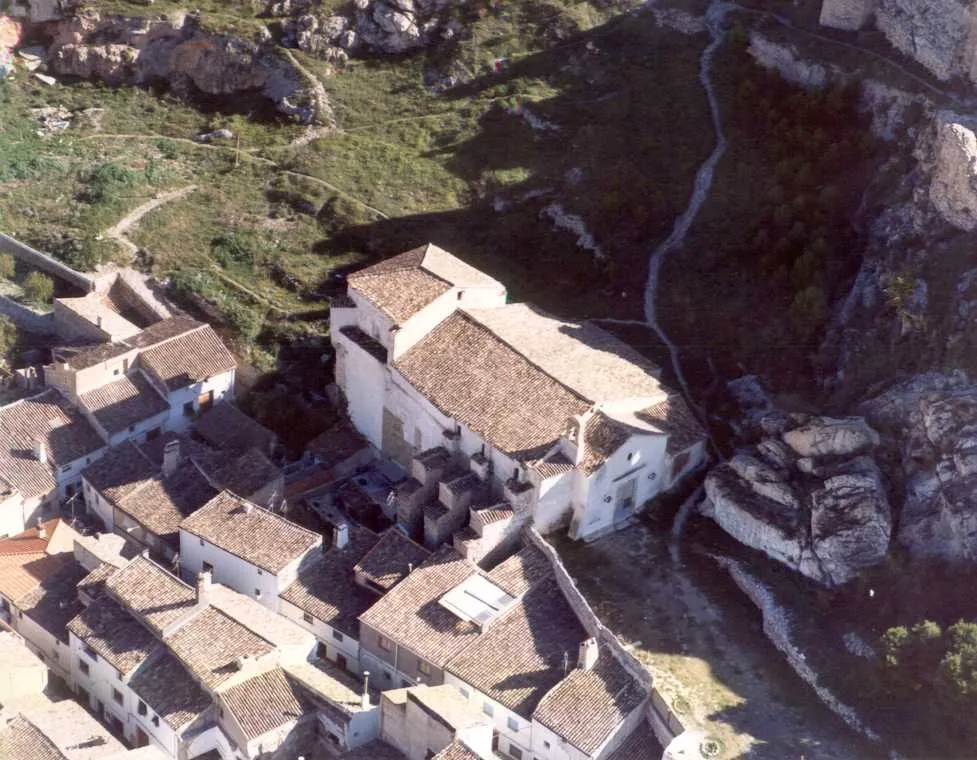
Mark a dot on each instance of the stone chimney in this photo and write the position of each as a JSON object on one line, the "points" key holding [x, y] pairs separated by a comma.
{"points": [[365, 699], [171, 458], [587, 657], [340, 536], [40, 451], [41, 530], [204, 580], [98, 320]]}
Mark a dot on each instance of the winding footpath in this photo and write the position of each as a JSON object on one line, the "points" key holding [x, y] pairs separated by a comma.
{"points": [[118, 231]]}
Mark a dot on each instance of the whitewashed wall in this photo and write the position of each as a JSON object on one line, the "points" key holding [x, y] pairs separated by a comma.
{"points": [[349, 647]]}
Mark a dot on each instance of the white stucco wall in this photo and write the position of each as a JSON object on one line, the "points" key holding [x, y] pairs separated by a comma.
{"points": [[348, 647], [521, 736], [55, 654], [222, 385], [362, 379], [13, 514], [69, 473], [98, 505], [555, 505]]}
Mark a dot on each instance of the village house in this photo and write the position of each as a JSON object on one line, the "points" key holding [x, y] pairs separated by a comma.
{"points": [[564, 422], [247, 548]]}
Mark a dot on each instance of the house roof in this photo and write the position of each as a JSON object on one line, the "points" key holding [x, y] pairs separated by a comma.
{"points": [[446, 705], [149, 592], [556, 463], [641, 745], [224, 426], [325, 587], [210, 644], [93, 584], [247, 531], [187, 359], [593, 363], [477, 379], [121, 470], [47, 417], [375, 750], [73, 730], [602, 437], [30, 540], [403, 285], [522, 570], [23, 740], [674, 418], [336, 444], [391, 559], [161, 504], [98, 310], [457, 750], [124, 402], [587, 706], [20, 574], [108, 628], [523, 653], [411, 615], [321, 680], [168, 689], [52, 604], [241, 472], [156, 333], [264, 703]]}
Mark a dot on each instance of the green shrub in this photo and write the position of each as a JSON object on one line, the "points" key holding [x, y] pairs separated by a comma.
{"points": [[234, 248], [8, 338], [38, 288], [7, 266], [105, 183]]}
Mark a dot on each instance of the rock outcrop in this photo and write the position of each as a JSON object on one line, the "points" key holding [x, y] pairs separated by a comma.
{"points": [[810, 498], [930, 428], [953, 189]]}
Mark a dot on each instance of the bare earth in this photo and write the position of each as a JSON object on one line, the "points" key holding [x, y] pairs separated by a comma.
{"points": [[703, 643]]}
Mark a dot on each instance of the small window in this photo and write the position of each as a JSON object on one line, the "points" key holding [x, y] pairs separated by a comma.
{"points": [[388, 675], [201, 542], [141, 708], [633, 457], [89, 652], [488, 709], [83, 667], [515, 752], [512, 723], [424, 668], [307, 617], [206, 567], [385, 644], [546, 744], [188, 409], [156, 721], [460, 294], [116, 371], [464, 692], [117, 696], [132, 428], [88, 460], [337, 635], [66, 468], [260, 571], [257, 593]]}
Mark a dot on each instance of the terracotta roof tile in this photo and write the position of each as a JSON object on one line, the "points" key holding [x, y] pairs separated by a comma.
{"points": [[93, 584], [168, 689], [551, 466], [477, 379], [20, 574], [457, 750], [30, 541], [264, 703], [161, 504], [227, 427], [242, 472], [149, 592], [22, 740], [674, 418], [389, 562], [124, 402], [247, 531], [114, 634], [522, 570], [188, 359], [401, 294], [641, 745], [602, 437], [55, 602], [120, 471]]}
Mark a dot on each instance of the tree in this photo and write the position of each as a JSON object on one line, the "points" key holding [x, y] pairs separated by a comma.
{"points": [[38, 288], [809, 311], [7, 266], [959, 664], [8, 338]]}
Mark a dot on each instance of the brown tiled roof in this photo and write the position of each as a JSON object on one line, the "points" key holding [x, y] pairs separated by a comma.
{"points": [[556, 464], [674, 418], [226, 427], [602, 437], [52, 604], [22, 740], [389, 562], [89, 357], [492, 515], [210, 644], [478, 380], [336, 444], [114, 634], [411, 615], [641, 745], [188, 359], [457, 750], [375, 750], [523, 653], [245, 530], [588, 705], [47, 417], [121, 470], [20, 574], [264, 703], [29, 541], [522, 570], [165, 329], [325, 587], [124, 402], [242, 473], [372, 346], [168, 689], [161, 504], [93, 584], [148, 591]]}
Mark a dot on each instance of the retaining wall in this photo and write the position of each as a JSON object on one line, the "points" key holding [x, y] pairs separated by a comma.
{"points": [[26, 318], [42, 261]]}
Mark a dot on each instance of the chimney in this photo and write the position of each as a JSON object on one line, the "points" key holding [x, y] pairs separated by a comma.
{"points": [[587, 657], [98, 320], [340, 536], [171, 458], [41, 530], [40, 451], [365, 699], [204, 579]]}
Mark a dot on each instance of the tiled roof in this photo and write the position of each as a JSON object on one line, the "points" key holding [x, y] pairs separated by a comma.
{"points": [[264, 703], [593, 363], [475, 378], [227, 427], [93, 584], [124, 402], [457, 750], [157, 597], [523, 653], [641, 745], [491, 515], [522, 570], [47, 417], [325, 587], [73, 730], [52, 604], [30, 541], [375, 750], [336, 444], [551, 466], [674, 418], [168, 689], [114, 634], [411, 615], [188, 359], [588, 705], [602, 437], [245, 530], [22, 740], [89, 357], [161, 504], [120, 471], [210, 644], [156, 333], [242, 473], [389, 562], [20, 574]]}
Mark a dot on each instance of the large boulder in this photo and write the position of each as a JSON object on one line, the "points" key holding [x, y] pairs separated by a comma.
{"points": [[813, 501], [953, 189]]}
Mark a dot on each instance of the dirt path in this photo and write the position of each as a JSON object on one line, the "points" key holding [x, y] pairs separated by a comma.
{"points": [[118, 231], [324, 115]]}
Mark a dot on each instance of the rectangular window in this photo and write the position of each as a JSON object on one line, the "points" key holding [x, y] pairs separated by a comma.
{"points": [[515, 752], [141, 708], [117, 696], [206, 567], [156, 721], [512, 723], [257, 593], [424, 667], [83, 667], [465, 693], [89, 652], [337, 635], [188, 409], [385, 644], [307, 617], [488, 709], [546, 744], [66, 468]]}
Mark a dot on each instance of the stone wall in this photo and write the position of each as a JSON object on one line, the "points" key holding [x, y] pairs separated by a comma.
{"points": [[44, 262], [846, 14], [25, 318]]}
